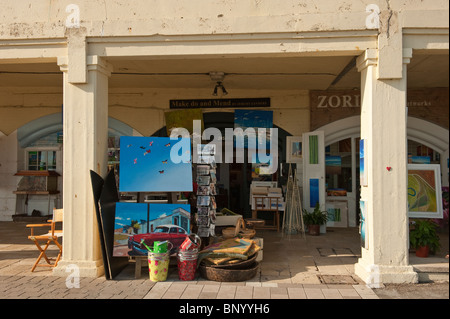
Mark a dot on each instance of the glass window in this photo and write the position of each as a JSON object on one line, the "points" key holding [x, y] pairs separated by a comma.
{"points": [[41, 160]]}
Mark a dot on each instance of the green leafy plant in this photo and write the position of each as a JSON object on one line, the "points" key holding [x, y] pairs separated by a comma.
{"points": [[316, 217], [424, 233]]}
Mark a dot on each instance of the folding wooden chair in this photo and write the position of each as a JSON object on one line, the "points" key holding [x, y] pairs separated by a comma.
{"points": [[42, 242]]}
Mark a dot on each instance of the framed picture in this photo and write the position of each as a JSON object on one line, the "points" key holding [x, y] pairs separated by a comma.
{"points": [[424, 191], [294, 149], [337, 213]]}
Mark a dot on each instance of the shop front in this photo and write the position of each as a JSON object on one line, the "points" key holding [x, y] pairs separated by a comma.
{"points": [[328, 90]]}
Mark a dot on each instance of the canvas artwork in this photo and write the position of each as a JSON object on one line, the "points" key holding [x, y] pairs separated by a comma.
{"points": [[253, 119], [183, 119], [146, 165], [424, 191], [336, 213], [363, 225], [333, 164], [313, 192], [362, 163], [294, 152], [135, 222], [313, 149]]}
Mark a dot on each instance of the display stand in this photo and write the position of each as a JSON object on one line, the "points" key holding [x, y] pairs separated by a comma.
{"points": [[37, 183], [293, 214], [206, 202], [206, 191]]}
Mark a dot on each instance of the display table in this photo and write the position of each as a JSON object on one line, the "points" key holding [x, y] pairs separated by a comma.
{"points": [[267, 204]]}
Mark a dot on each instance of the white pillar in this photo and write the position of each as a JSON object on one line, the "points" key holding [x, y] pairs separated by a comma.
{"points": [[383, 128], [85, 131]]}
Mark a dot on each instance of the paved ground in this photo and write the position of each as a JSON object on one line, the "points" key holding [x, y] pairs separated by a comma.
{"points": [[292, 268]]}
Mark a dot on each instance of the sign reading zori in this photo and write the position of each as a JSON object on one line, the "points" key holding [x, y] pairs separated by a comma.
{"points": [[257, 140]]}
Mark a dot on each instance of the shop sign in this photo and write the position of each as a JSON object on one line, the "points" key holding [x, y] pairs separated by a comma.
{"points": [[430, 104], [219, 103]]}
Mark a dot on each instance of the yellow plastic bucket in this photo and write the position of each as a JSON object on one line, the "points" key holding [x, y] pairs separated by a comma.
{"points": [[158, 266]]}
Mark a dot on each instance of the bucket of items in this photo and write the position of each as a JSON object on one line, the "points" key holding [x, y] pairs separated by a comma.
{"points": [[158, 259], [187, 257]]}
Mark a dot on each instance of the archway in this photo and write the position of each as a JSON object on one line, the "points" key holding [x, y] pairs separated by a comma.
{"points": [[419, 131]]}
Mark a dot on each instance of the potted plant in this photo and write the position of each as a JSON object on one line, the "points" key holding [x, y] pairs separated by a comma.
{"points": [[423, 237], [314, 219]]}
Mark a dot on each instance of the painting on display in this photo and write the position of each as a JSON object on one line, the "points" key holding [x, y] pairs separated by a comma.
{"points": [[313, 149], [313, 192], [254, 119], [362, 162], [183, 119], [136, 222], [424, 191], [294, 149], [336, 213], [333, 164], [146, 164], [363, 224]]}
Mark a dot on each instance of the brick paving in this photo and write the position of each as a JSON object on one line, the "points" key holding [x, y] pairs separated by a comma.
{"points": [[292, 268]]}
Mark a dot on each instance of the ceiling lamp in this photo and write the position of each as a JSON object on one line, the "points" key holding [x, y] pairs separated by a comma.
{"points": [[218, 78]]}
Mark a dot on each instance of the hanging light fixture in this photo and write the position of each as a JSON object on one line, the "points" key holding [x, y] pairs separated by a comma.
{"points": [[218, 78]]}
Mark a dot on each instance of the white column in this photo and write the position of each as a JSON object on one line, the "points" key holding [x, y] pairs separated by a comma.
{"points": [[383, 128], [85, 130]]}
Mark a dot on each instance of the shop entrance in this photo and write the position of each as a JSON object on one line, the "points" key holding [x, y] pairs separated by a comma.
{"points": [[234, 179]]}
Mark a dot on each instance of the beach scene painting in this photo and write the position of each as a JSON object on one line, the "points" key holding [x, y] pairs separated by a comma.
{"points": [[148, 165]]}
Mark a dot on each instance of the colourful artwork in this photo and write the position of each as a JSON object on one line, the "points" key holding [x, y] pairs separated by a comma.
{"points": [[336, 213], [362, 164], [183, 119], [294, 153], [136, 222], [313, 192], [333, 164], [253, 119], [420, 160], [424, 191], [313, 149], [363, 225], [147, 165]]}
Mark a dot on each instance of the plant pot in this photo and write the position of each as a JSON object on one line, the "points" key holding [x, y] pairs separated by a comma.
{"points": [[314, 230], [422, 251]]}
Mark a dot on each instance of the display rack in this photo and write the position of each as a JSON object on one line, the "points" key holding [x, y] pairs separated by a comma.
{"points": [[206, 191]]}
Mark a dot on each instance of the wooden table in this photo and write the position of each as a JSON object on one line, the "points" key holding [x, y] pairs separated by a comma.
{"points": [[265, 203]]}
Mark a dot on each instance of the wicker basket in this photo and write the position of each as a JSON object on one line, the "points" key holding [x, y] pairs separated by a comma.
{"points": [[244, 264], [239, 231], [228, 275]]}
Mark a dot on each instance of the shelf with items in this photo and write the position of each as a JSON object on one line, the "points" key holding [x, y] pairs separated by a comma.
{"points": [[37, 183], [206, 191]]}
